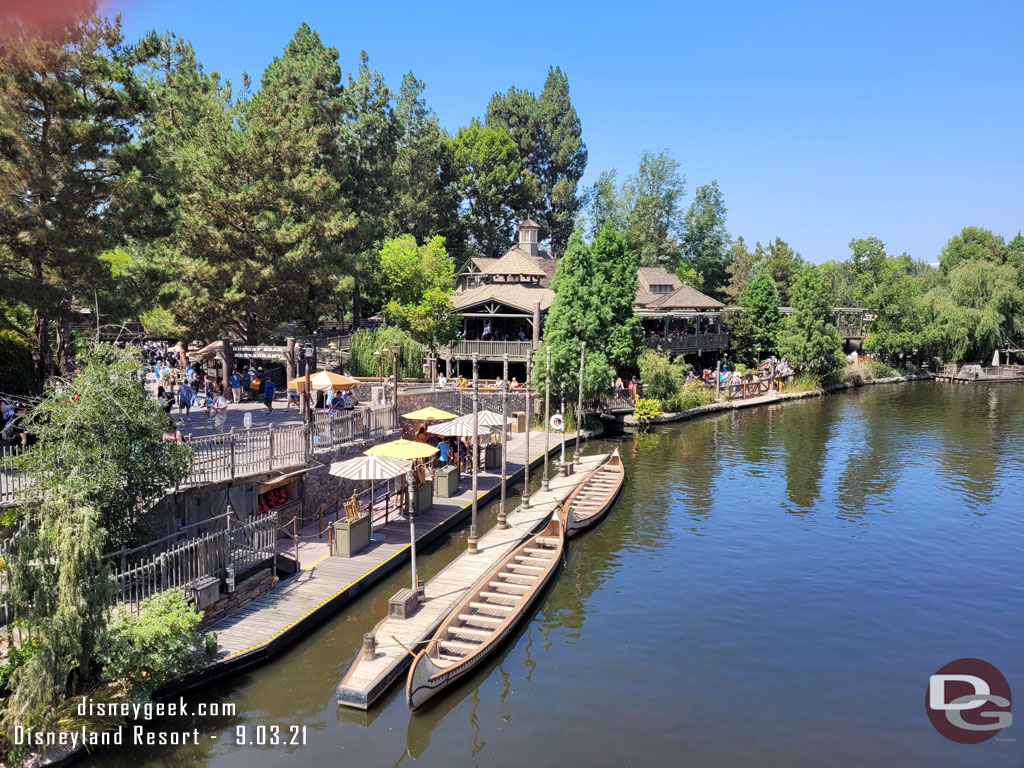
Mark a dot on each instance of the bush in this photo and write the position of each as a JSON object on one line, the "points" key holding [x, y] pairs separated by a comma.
{"points": [[868, 370], [692, 395], [661, 377], [160, 642], [16, 374], [646, 409], [804, 382]]}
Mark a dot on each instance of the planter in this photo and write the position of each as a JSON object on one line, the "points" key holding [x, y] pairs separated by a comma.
{"points": [[492, 456], [351, 538], [446, 481], [424, 497]]}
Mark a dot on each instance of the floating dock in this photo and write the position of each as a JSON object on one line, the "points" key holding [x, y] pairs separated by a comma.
{"points": [[367, 679], [263, 627]]}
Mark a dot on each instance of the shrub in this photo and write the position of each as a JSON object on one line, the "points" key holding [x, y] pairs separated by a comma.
{"points": [[160, 642], [661, 377], [804, 382], [692, 395], [646, 409], [361, 361]]}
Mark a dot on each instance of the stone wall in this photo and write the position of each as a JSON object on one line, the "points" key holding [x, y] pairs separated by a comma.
{"points": [[244, 593], [322, 492], [449, 400]]}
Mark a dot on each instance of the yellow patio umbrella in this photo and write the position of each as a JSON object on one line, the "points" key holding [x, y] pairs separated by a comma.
{"points": [[323, 380], [429, 414], [403, 449]]}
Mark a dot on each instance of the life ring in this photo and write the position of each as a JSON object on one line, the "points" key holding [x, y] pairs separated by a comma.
{"points": [[557, 422]]}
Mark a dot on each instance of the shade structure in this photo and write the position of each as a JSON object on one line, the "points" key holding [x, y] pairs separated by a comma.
{"points": [[458, 428], [322, 381], [403, 449], [371, 468], [428, 414], [487, 418]]}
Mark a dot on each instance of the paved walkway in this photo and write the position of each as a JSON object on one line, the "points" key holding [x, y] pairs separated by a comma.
{"points": [[257, 630]]}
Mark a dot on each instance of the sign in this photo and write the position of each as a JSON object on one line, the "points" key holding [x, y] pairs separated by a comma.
{"points": [[968, 701], [247, 419], [265, 351]]}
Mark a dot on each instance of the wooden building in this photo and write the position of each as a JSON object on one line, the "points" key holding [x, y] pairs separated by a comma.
{"points": [[678, 318]]}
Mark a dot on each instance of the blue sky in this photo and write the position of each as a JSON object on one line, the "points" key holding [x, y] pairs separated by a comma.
{"points": [[821, 121]]}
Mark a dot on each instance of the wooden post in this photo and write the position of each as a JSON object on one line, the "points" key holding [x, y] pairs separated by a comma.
{"points": [[536, 324], [529, 426], [544, 484], [295, 544], [270, 439], [579, 408], [502, 517], [471, 544], [394, 373], [718, 379], [369, 646], [231, 441]]}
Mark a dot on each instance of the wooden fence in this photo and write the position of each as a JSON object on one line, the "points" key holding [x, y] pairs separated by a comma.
{"points": [[241, 547]]}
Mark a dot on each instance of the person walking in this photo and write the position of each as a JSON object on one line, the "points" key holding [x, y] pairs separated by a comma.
{"points": [[185, 396], [268, 396], [235, 382], [220, 412]]}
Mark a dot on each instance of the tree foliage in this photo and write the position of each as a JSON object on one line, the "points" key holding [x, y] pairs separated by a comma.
{"points": [[651, 199], [418, 283], [760, 302], [810, 341], [366, 343], [616, 275], [705, 242]]}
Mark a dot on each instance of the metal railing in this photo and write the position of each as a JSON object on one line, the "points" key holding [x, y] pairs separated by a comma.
{"points": [[516, 349], [243, 453], [241, 547], [12, 479], [328, 431], [686, 343]]}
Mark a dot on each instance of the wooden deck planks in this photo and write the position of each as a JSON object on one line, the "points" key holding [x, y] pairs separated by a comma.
{"points": [[323, 584]]}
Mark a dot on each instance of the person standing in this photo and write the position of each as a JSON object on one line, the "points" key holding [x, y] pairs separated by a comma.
{"points": [[268, 396], [220, 412], [235, 381]]}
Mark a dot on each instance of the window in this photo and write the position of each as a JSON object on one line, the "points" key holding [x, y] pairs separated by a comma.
{"points": [[662, 288]]}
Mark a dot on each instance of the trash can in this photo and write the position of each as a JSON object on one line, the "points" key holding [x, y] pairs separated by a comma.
{"points": [[351, 538], [446, 481], [424, 496], [492, 456], [519, 425]]}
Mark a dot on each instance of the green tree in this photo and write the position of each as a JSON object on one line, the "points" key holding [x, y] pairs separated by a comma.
{"points": [[548, 132], [651, 198], [616, 275], [741, 266], [604, 205], [972, 244], [577, 314], [488, 170], [662, 378], [782, 262], [69, 102], [705, 241], [426, 201], [760, 302], [417, 283], [99, 466], [810, 341]]}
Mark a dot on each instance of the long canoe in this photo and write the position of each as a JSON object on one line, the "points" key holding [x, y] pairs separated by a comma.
{"points": [[592, 498], [487, 615]]}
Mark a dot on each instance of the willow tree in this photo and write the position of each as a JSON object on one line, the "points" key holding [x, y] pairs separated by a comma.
{"points": [[100, 465]]}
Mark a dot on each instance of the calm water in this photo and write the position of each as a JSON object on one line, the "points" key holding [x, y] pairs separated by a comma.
{"points": [[774, 588]]}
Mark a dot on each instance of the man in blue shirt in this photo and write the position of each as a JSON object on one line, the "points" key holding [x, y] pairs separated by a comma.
{"points": [[235, 382], [268, 396], [185, 395], [443, 448]]}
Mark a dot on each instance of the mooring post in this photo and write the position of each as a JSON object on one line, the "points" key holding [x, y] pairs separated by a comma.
{"points": [[502, 516], [544, 484], [529, 426], [577, 454], [369, 646]]}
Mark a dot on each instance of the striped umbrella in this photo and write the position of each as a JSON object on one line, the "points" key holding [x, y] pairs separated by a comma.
{"points": [[487, 419], [460, 427], [370, 468]]}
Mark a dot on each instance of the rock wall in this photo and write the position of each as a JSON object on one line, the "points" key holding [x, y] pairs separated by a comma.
{"points": [[244, 593]]}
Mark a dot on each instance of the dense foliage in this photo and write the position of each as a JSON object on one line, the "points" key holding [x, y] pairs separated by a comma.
{"points": [[362, 360], [16, 374], [760, 303], [810, 340], [160, 642]]}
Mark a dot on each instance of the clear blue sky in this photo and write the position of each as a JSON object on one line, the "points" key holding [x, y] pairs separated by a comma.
{"points": [[821, 121]]}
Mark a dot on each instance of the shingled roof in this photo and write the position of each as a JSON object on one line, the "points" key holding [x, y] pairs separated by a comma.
{"points": [[515, 262], [522, 297], [680, 295]]}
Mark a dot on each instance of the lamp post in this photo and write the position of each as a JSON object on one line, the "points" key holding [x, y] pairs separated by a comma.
{"points": [[394, 376], [579, 408], [471, 544], [502, 518], [562, 469], [529, 426], [544, 484]]}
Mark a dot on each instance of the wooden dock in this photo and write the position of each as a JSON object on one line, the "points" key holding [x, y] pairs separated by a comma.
{"points": [[260, 629], [365, 679]]}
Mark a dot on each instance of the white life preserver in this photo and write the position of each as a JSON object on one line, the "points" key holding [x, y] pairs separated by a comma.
{"points": [[557, 422]]}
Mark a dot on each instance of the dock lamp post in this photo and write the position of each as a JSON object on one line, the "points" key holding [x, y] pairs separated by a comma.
{"points": [[563, 470], [577, 458], [544, 484], [502, 517], [529, 427], [471, 544], [394, 376]]}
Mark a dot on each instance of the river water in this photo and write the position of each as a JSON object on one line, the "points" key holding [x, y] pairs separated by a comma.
{"points": [[775, 587]]}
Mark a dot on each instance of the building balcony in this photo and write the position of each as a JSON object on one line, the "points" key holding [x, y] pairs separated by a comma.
{"points": [[487, 350], [686, 344]]}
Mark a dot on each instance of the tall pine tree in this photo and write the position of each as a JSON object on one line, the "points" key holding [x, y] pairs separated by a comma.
{"points": [[810, 341]]}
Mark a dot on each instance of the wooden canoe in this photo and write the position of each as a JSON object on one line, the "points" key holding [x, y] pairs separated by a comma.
{"points": [[592, 498], [487, 615]]}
